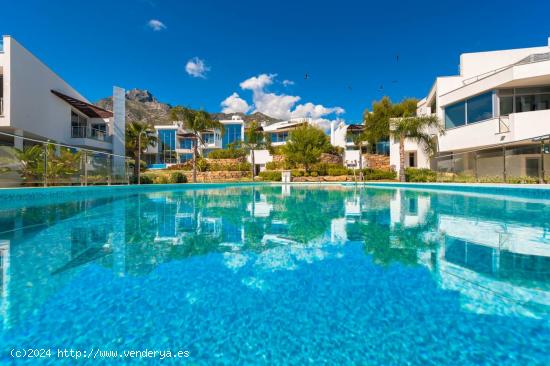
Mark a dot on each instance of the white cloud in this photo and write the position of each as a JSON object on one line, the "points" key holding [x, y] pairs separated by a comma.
{"points": [[288, 82], [281, 106], [234, 104], [196, 68], [258, 83], [156, 25]]}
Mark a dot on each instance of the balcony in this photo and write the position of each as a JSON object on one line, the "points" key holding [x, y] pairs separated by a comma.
{"points": [[498, 130], [90, 137], [82, 132]]}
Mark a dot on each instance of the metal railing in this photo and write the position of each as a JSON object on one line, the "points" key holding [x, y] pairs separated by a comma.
{"points": [[503, 124], [536, 57], [84, 132], [525, 161], [26, 162]]}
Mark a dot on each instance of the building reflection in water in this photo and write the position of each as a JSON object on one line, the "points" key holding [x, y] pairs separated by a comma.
{"points": [[494, 252]]}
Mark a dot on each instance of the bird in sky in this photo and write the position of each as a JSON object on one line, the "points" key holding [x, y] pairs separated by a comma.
{"points": [[306, 76], [381, 88]]}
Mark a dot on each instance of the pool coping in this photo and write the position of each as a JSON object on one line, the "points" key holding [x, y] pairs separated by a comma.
{"points": [[521, 190]]}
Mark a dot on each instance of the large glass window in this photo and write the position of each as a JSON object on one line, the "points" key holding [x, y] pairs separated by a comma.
{"points": [[471, 110], [524, 100], [480, 107], [279, 136], [167, 146], [186, 143], [208, 138], [232, 134], [455, 115]]}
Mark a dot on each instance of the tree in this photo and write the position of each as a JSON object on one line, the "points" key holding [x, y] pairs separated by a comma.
{"points": [[377, 121], [416, 128], [254, 139], [148, 138], [196, 122], [305, 145]]}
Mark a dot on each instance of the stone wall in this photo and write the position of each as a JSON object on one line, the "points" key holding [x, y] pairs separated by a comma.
{"points": [[331, 159], [341, 178], [377, 161], [216, 176], [225, 162]]}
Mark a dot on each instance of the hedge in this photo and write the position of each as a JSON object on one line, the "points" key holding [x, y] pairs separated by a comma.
{"points": [[420, 175], [226, 154], [270, 175]]}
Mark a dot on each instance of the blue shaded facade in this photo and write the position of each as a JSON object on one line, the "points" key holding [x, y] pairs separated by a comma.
{"points": [[231, 134]]}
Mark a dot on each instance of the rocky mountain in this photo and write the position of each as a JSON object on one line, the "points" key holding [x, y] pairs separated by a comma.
{"points": [[141, 105]]}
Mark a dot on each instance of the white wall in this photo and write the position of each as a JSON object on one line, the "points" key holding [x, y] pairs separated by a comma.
{"points": [[33, 107], [261, 157]]}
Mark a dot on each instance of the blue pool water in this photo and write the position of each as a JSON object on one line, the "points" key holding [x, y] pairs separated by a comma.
{"points": [[277, 275]]}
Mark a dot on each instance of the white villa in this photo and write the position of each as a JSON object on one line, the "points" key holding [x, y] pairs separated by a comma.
{"points": [[176, 143], [36, 103], [500, 98]]}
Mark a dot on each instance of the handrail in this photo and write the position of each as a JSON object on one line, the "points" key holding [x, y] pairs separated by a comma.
{"points": [[503, 124], [490, 147], [63, 145], [533, 58]]}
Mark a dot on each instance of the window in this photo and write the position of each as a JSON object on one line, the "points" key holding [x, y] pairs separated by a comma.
{"points": [[232, 134], [78, 125], [471, 110], [208, 138], [480, 108], [455, 115], [167, 146], [186, 144], [524, 100], [412, 160]]}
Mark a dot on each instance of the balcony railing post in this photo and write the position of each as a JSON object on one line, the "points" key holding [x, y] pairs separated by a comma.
{"points": [[85, 168], [541, 172], [504, 163], [475, 165], [45, 164]]}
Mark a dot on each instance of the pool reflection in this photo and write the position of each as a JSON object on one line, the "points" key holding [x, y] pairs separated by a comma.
{"points": [[494, 252]]}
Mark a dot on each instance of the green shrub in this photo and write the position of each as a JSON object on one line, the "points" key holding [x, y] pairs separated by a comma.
{"points": [[161, 179], [275, 165], [202, 165], [145, 179], [227, 154], [522, 180], [337, 171], [178, 178], [270, 175], [378, 174], [420, 175], [313, 174], [297, 173]]}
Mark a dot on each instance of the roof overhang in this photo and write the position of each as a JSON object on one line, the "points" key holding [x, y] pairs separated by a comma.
{"points": [[88, 109]]}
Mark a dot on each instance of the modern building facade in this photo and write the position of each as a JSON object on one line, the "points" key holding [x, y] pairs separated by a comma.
{"points": [[176, 143], [36, 103], [495, 114]]}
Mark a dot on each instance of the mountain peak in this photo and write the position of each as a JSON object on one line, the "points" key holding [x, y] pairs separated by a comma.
{"points": [[141, 95]]}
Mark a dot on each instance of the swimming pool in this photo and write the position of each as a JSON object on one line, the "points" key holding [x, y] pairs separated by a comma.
{"points": [[276, 274]]}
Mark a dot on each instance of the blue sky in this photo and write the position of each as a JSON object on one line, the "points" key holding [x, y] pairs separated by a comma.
{"points": [[348, 49]]}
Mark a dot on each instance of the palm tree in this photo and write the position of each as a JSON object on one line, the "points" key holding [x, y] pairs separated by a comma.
{"points": [[196, 122], [416, 128], [254, 139], [136, 133]]}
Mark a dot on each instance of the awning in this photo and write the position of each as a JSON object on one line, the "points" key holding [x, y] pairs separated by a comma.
{"points": [[88, 109]]}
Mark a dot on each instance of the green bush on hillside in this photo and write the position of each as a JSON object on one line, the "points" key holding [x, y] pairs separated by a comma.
{"points": [[378, 174], [227, 154], [178, 178], [270, 175], [420, 175]]}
